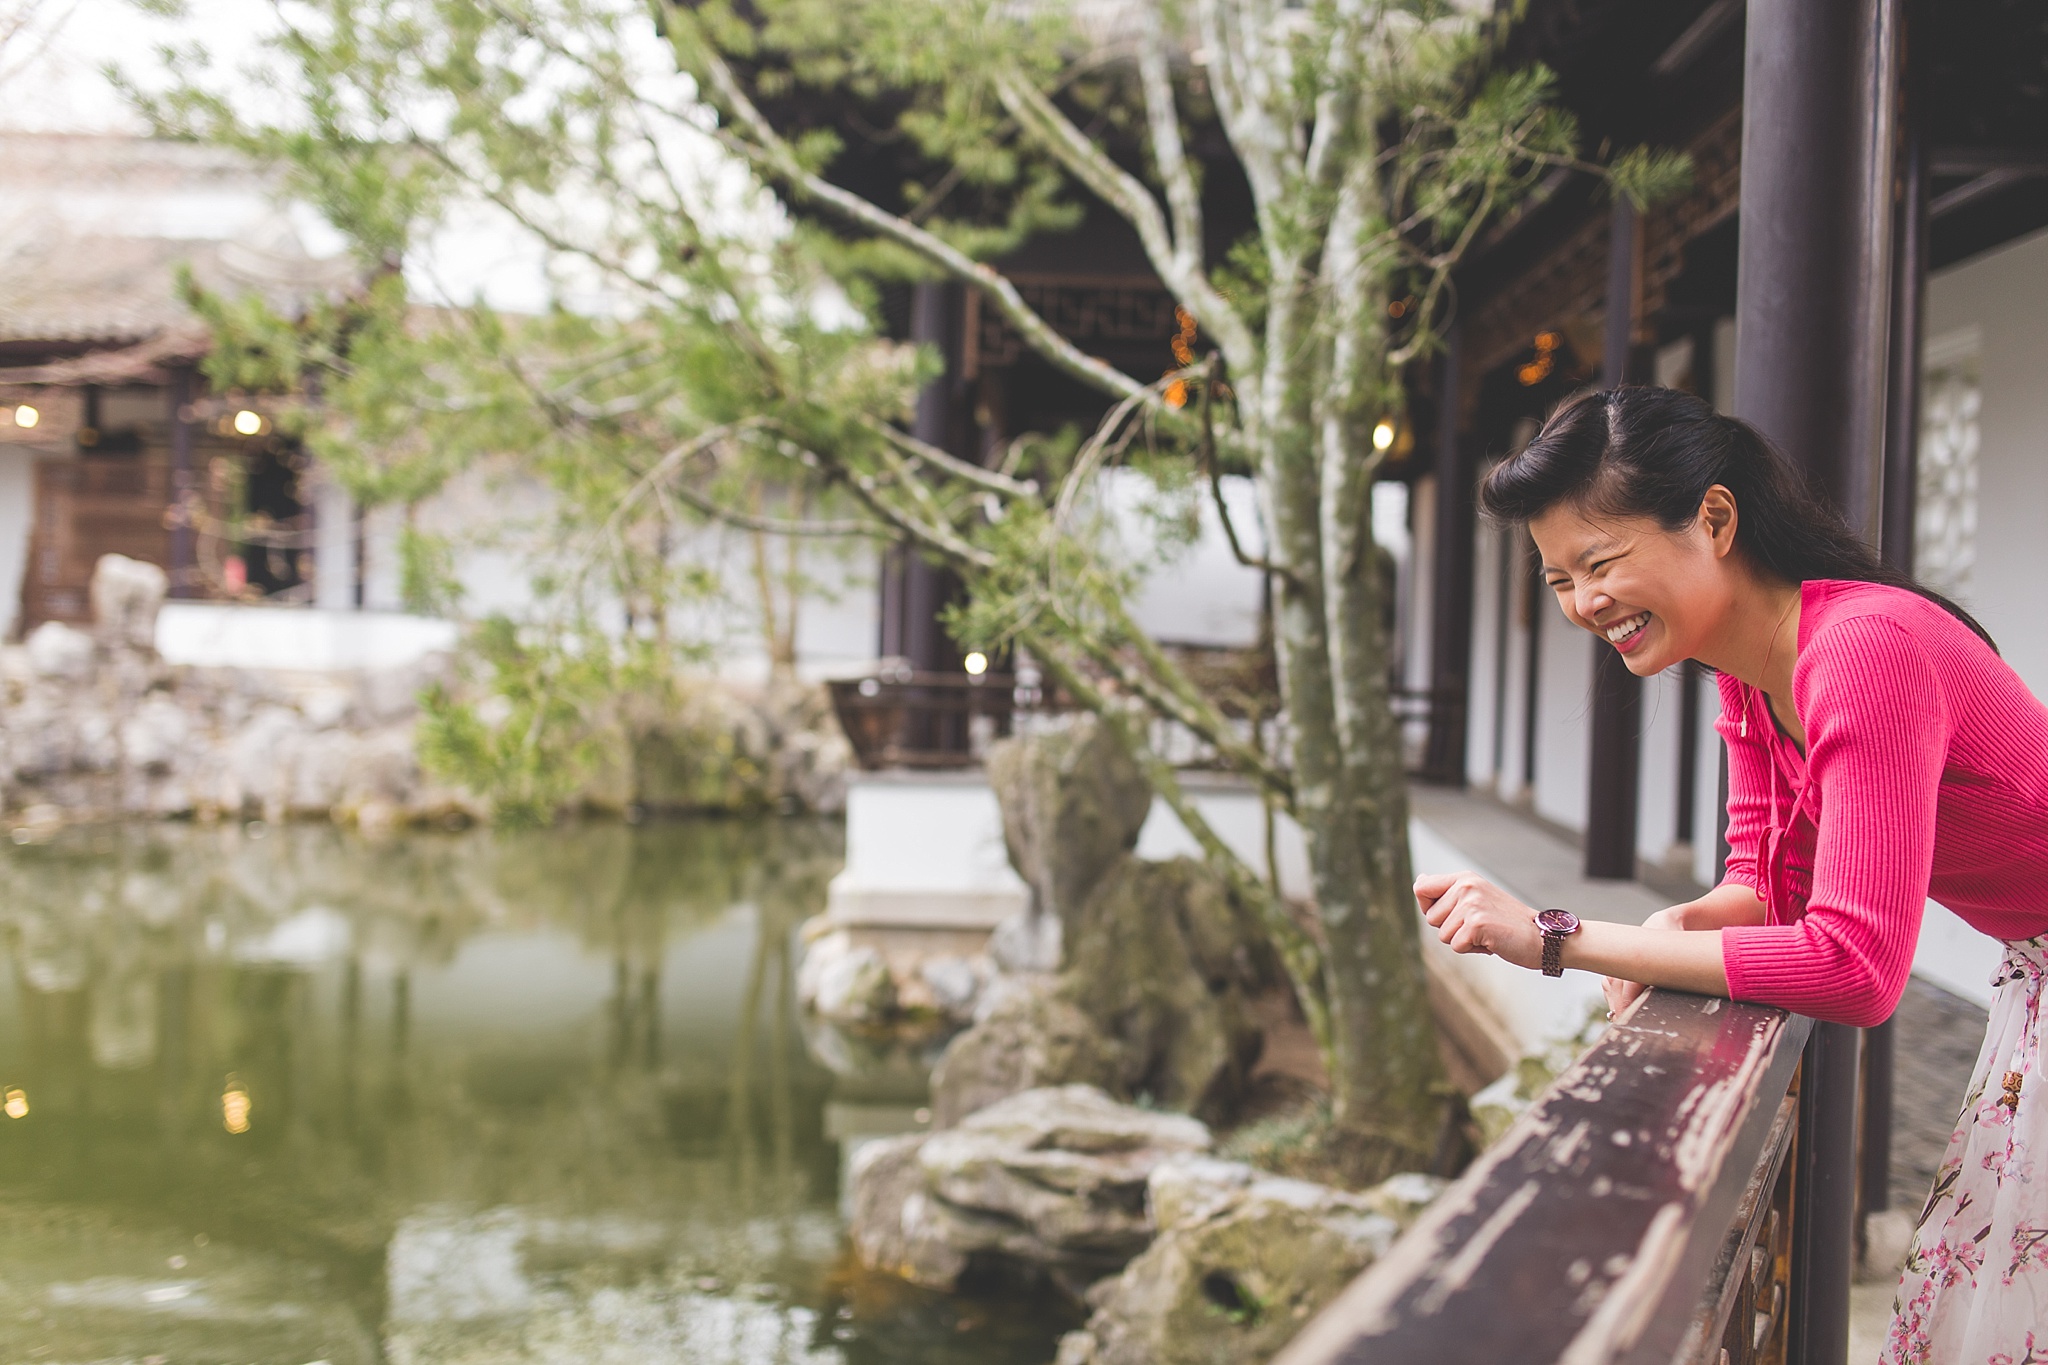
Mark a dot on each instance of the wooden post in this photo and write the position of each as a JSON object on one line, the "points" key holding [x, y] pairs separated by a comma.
{"points": [[1811, 317], [184, 487], [1450, 636], [1611, 789], [915, 591], [1901, 504]]}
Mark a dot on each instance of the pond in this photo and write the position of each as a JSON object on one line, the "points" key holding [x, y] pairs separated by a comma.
{"points": [[291, 1095]]}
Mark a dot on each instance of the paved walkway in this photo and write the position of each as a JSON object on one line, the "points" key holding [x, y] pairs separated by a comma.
{"points": [[1938, 1033]]}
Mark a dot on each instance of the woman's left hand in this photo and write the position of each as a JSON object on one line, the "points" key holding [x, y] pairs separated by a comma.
{"points": [[1474, 916]]}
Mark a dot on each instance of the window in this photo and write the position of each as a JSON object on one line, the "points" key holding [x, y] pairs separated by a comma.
{"points": [[1945, 524]]}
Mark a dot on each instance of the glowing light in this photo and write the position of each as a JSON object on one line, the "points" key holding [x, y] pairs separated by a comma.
{"points": [[234, 1108], [1538, 370], [248, 423], [26, 416], [977, 663], [1383, 435], [16, 1105]]}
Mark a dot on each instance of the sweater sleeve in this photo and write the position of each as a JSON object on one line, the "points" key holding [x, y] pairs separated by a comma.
{"points": [[1749, 787], [1877, 740]]}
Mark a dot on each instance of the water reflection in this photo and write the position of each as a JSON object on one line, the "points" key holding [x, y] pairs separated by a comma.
{"points": [[442, 1098]]}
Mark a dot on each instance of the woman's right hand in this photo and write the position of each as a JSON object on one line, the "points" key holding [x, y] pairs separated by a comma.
{"points": [[1621, 994]]}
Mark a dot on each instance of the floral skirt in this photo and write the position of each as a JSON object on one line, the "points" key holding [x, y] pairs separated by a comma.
{"points": [[1975, 1287]]}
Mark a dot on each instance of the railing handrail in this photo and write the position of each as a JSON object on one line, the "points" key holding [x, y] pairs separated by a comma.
{"points": [[1616, 1221]]}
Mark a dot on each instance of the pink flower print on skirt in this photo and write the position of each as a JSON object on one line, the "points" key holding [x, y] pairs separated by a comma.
{"points": [[1975, 1287]]}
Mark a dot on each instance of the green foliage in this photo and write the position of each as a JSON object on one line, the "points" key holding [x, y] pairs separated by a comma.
{"points": [[426, 573], [528, 743]]}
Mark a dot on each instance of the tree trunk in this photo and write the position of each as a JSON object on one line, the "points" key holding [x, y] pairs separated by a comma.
{"points": [[1389, 1092]]}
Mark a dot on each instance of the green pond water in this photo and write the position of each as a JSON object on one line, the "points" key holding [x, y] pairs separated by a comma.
{"points": [[291, 1095]]}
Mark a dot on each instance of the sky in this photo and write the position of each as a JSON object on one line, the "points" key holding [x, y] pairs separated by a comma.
{"points": [[59, 85], [61, 88]]}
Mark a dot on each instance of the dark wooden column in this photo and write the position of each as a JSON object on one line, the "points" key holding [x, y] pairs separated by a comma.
{"points": [[1450, 632], [1617, 722], [184, 565], [914, 590], [1811, 318], [1900, 502], [1814, 275]]}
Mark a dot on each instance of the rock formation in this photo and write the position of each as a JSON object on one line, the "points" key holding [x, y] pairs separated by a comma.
{"points": [[97, 725], [1050, 1182], [1241, 1261], [1150, 965]]}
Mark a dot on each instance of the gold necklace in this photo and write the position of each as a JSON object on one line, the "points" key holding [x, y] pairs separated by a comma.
{"points": [[1769, 652]]}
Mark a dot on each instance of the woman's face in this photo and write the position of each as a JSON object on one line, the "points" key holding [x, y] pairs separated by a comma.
{"points": [[1658, 597]]}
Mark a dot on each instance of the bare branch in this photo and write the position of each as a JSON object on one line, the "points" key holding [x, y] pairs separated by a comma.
{"points": [[1178, 261], [767, 151], [928, 454], [1207, 459], [777, 526]]}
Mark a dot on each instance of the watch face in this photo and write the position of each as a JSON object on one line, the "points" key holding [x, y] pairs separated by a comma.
{"points": [[1557, 921]]}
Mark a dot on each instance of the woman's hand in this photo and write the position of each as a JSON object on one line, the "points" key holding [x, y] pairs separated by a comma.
{"points": [[1474, 916], [1621, 994]]}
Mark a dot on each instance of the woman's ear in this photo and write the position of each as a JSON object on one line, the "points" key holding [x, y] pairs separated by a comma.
{"points": [[1718, 518]]}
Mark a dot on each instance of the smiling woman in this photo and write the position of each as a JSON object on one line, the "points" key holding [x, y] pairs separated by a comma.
{"points": [[1879, 753]]}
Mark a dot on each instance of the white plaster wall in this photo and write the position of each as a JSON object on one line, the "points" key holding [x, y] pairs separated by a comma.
{"points": [[1513, 780], [1657, 764], [232, 635], [1198, 595], [17, 509], [1483, 714], [334, 544], [1238, 817], [925, 832], [2004, 293], [1563, 754]]}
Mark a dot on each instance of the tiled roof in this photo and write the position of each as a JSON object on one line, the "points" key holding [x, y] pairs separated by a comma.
{"points": [[94, 230]]}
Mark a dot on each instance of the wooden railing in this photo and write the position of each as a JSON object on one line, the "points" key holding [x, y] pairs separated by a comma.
{"points": [[1679, 1196], [929, 720], [904, 719]]}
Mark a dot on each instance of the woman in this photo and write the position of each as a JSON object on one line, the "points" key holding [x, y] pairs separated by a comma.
{"points": [[1879, 752]]}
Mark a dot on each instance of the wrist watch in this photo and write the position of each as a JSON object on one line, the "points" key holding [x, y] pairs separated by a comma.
{"points": [[1557, 926]]}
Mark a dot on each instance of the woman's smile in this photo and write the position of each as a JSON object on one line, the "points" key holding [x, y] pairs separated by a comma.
{"points": [[1627, 633]]}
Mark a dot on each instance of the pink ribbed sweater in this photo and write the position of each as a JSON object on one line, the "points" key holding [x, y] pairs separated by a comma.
{"points": [[1926, 775]]}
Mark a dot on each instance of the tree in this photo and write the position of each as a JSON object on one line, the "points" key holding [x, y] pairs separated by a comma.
{"points": [[1377, 140]]}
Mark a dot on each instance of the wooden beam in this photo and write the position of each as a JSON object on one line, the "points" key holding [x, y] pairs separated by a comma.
{"points": [[1812, 318], [1615, 741]]}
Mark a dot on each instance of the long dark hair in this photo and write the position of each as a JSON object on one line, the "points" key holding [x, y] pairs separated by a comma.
{"points": [[1655, 452]]}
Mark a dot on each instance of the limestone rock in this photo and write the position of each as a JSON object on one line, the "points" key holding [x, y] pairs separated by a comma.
{"points": [[55, 650], [892, 1222], [847, 984], [953, 982], [126, 595], [1161, 958], [153, 736], [1073, 801], [1051, 1181], [1030, 1035], [1028, 941], [1241, 1262]]}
